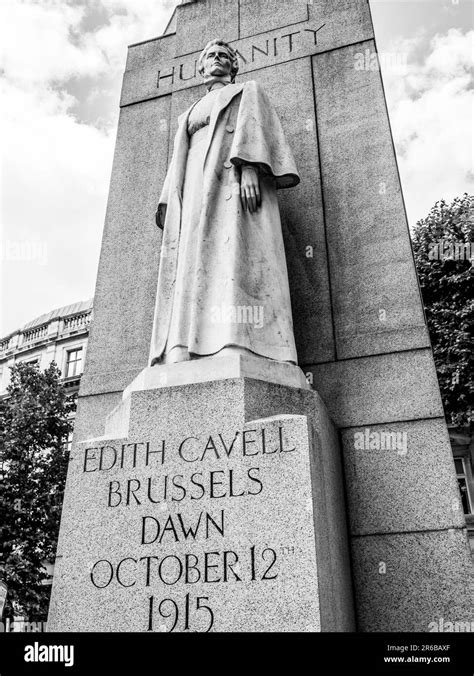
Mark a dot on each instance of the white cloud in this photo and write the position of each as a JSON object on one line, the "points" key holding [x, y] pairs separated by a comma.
{"points": [[131, 22], [46, 40], [431, 111], [55, 173], [41, 42], [56, 168]]}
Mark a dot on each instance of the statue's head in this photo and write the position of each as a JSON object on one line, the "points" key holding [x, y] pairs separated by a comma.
{"points": [[218, 60]]}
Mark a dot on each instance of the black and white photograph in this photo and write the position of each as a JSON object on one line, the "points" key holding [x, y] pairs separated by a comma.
{"points": [[236, 316]]}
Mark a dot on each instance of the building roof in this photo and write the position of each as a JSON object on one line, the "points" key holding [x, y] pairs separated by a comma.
{"points": [[65, 311]]}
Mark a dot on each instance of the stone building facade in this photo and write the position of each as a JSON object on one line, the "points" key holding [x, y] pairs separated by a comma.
{"points": [[60, 336]]}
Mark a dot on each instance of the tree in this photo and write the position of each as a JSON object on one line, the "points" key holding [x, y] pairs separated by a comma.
{"points": [[442, 244], [34, 428]]}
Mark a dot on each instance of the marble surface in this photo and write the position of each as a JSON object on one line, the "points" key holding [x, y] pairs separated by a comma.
{"points": [[223, 277]]}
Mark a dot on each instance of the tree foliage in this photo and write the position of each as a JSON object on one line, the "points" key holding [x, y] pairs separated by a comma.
{"points": [[443, 244], [34, 428]]}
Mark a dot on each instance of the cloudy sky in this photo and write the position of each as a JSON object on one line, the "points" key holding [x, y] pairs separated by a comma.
{"points": [[61, 68]]}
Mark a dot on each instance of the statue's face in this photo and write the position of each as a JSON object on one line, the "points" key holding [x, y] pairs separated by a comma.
{"points": [[217, 61]]}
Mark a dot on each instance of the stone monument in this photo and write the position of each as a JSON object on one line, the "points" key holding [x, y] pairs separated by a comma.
{"points": [[222, 247], [215, 485]]}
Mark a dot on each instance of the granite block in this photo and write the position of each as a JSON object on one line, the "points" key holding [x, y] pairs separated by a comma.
{"points": [[91, 414], [108, 381], [268, 15], [264, 400], [376, 300], [128, 269], [336, 599], [412, 581], [348, 21], [199, 371], [143, 63], [199, 22], [290, 88], [248, 400], [171, 27], [262, 555], [218, 368], [141, 54], [379, 389], [401, 477]]}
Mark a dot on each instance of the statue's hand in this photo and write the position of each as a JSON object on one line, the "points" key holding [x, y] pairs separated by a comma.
{"points": [[161, 216], [250, 189]]}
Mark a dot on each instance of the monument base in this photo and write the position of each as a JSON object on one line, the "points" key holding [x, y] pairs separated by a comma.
{"points": [[203, 370], [221, 508]]}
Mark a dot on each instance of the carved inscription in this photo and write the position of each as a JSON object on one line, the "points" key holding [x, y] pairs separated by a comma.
{"points": [[183, 495], [170, 74], [253, 53]]}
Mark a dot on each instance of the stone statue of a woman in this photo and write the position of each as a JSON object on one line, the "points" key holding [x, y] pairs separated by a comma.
{"points": [[223, 283]]}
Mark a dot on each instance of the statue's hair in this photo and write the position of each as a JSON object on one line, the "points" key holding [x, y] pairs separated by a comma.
{"points": [[233, 57]]}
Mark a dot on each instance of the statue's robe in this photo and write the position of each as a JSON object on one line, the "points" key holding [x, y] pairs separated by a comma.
{"points": [[239, 293]]}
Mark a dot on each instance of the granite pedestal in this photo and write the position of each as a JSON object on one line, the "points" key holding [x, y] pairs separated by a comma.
{"points": [[205, 516]]}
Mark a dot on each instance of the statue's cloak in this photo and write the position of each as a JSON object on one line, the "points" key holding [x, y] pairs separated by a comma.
{"points": [[240, 293]]}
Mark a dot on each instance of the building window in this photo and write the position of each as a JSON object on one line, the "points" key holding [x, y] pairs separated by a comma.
{"points": [[67, 445], [74, 363], [463, 484]]}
